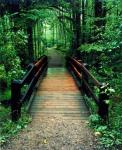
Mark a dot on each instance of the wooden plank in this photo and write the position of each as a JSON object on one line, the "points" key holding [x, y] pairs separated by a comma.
{"points": [[58, 95]]}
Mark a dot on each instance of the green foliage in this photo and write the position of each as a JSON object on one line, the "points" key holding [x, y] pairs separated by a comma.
{"points": [[3, 78], [108, 137], [8, 128], [115, 115], [94, 120], [10, 62], [91, 47], [12, 48], [103, 52], [15, 72], [93, 108], [20, 45], [6, 95]]}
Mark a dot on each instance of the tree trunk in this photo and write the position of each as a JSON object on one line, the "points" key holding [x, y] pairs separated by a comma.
{"points": [[30, 35], [76, 15], [100, 13], [30, 43], [83, 21]]}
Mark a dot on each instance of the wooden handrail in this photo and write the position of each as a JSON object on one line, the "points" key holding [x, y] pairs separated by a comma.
{"points": [[33, 69], [83, 74], [31, 77], [96, 82], [28, 76]]}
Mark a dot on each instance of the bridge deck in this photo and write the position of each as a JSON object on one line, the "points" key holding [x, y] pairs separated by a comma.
{"points": [[58, 95]]}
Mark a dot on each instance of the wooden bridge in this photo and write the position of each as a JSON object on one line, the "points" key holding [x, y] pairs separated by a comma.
{"points": [[58, 95], [60, 89]]}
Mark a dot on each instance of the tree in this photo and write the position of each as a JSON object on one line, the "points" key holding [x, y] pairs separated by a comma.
{"points": [[100, 13]]}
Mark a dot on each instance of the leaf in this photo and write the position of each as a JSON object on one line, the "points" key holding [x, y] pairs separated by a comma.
{"points": [[107, 101], [19, 127], [45, 141], [97, 134]]}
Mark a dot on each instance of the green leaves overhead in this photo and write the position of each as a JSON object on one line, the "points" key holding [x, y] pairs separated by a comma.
{"points": [[33, 15]]}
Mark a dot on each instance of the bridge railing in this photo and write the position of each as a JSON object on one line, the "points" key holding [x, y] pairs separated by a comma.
{"points": [[29, 81], [86, 82]]}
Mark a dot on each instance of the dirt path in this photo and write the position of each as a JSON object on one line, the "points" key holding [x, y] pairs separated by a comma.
{"points": [[54, 134]]}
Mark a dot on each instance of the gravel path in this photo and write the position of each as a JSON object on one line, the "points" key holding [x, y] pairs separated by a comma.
{"points": [[54, 134]]}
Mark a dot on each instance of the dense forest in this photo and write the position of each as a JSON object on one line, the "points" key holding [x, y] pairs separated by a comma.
{"points": [[89, 30]]}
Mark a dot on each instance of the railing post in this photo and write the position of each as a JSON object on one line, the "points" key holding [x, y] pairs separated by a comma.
{"points": [[46, 66], [85, 78], [67, 62], [15, 100], [103, 105]]}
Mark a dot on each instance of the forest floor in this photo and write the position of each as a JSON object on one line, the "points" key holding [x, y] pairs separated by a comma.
{"points": [[51, 131]]}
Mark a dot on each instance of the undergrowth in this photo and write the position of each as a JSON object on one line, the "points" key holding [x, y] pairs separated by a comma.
{"points": [[6, 95], [109, 134], [8, 128]]}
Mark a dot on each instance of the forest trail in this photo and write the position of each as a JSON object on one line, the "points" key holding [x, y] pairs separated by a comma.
{"points": [[59, 116], [55, 58]]}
